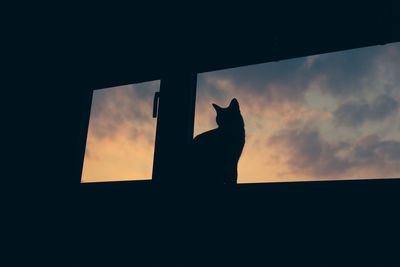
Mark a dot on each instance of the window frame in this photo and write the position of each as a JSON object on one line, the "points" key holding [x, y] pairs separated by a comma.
{"points": [[174, 88]]}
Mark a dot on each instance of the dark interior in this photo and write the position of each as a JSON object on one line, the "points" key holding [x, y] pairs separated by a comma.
{"points": [[167, 221]]}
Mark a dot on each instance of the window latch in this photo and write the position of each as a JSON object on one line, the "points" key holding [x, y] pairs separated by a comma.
{"points": [[155, 104]]}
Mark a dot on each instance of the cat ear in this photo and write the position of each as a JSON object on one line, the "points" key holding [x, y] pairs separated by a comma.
{"points": [[234, 105], [217, 108]]}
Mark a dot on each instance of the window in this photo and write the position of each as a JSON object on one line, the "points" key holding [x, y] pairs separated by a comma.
{"points": [[324, 117], [121, 134]]}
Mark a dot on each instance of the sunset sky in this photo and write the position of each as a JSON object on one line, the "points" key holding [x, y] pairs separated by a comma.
{"points": [[324, 117]]}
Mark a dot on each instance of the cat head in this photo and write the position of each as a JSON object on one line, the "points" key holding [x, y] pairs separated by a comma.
{"points": [[230, 116]]}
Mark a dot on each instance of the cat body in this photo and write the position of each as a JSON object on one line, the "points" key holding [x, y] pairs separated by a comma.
{"points": [[216, 153]]}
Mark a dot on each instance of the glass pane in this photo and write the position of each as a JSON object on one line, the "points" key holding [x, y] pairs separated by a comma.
{"points": [[121, 135], [324, 117]]}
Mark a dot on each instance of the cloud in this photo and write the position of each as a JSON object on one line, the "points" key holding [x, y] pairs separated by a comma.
{"points": [[121, 107], [371, 149], [118, 159], [339, 74], [353, 114], [273, 82], [308, 153], [344, 73]]}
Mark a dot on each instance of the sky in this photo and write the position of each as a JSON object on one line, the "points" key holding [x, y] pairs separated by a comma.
{"points": [[121, 134], [324, 117]]}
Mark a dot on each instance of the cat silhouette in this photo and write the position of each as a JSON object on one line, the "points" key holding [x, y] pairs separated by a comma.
{"points": [[216, 153]]}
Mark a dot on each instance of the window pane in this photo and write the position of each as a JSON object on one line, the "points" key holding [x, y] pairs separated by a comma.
{"points": [[121, 135], [324, 117]]}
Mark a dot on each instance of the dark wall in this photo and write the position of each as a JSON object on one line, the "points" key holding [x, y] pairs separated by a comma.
{"points": [[119, 222]]}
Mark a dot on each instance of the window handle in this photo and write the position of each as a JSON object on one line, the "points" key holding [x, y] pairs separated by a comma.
{"points": [[155, 104]]}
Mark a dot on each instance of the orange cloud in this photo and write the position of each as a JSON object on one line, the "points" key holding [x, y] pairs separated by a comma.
{"points": [[119, 158], [121, 135]]}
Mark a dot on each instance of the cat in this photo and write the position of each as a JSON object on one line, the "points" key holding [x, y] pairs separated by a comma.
{"points": [[216, 152]]}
